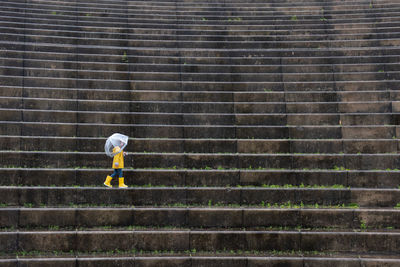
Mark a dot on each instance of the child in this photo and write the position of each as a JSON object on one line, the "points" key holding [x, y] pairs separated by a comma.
{"points": [[118, 165]]}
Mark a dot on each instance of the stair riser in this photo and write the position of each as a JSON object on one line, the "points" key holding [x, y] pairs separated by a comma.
{"points": [[193, 218], [42, 177], [227, 132], [195, 196], [207, 146], [201, 161], [199, 107], [181, 241], [119, 95]]}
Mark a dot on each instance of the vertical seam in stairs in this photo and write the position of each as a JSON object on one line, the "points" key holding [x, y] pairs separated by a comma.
{"points": [[183, 144], [76, 77], [17, 238], [22, 98], [76, 237], [23, 79]]}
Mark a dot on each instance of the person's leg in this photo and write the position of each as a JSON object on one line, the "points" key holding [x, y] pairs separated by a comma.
{"points": [[121, 180]]}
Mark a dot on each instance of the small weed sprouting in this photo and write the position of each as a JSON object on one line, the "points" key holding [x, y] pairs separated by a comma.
{"points": [[125, 57], [293, 18], [28, 205], [363, 225], [353, 205]]}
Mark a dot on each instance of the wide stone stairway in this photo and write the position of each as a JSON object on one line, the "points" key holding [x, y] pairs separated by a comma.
{"points": [[262, 132]]}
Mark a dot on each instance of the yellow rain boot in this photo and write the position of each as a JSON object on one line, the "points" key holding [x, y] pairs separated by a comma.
{"points": [[121, 183], [107, 182]]}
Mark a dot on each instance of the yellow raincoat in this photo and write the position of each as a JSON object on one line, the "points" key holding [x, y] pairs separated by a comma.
{"points": [[118, 161]]}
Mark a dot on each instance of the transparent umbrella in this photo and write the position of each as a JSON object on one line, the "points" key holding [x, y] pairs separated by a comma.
{"points": [[115, 144]]}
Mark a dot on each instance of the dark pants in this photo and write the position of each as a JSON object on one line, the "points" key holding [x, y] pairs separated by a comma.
{"points": [[118, 173]]}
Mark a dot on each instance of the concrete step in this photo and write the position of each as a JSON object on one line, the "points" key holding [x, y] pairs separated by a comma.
{"points": [[197, 261], [164, 196], [203, 177], [204, 217], [231, 86], [198, 132], [86, 144], [14, 29], [304, 6], [38, 94], [189, 64], [44, 73], [91, 241], [197, 118], [50, 159], [13, 66], [209, 9], [340, 32], [171, 106], [187, 52], [266, 43], [240, 16]]}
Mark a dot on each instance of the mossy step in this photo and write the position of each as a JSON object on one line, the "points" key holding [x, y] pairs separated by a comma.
{"points": [[38, 94], [207, 14], [138, 51], [222, 258], [165, 145], [266, 43], [199, 65], [200, 161], [276, 75], [208, 115], [219, 107], [184, 218], [203, 177], [200, 131], [49, 196], [88, 241], [15, 29]]}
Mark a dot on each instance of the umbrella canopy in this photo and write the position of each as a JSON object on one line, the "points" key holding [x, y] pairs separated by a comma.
{"points": [[115, 144]]}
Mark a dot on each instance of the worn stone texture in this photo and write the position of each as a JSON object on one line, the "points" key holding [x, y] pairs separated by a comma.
{"points": [[261, 134]]}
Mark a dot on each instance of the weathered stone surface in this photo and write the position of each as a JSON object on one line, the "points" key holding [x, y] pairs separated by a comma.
{"points": [[271, 217], [162, 261], [46, 241], [46, 217], [216, 261], [149, 241], [105, 241], [224, 218], [100, 262], [8, 242], [63, 262], [160, 217], [274, 261], [101, 216]]}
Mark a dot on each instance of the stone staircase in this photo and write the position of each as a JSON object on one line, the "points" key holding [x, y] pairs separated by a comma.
{"points": [[262, 133]]}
